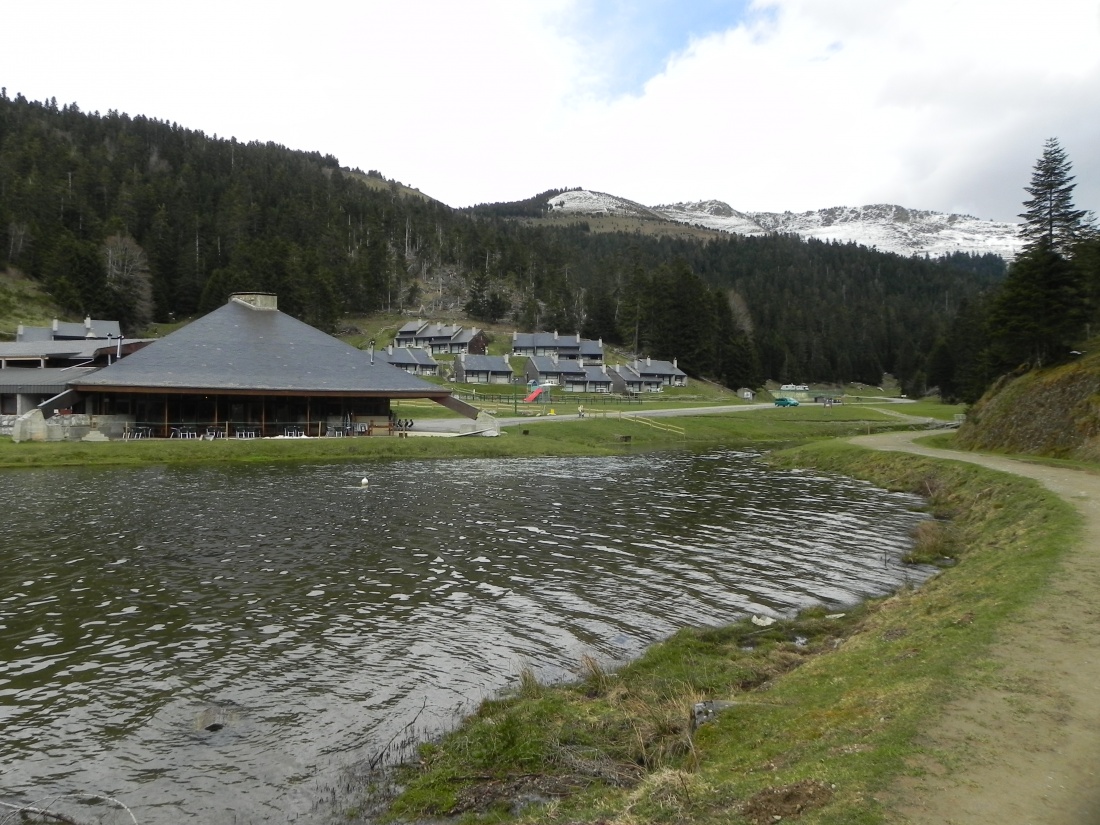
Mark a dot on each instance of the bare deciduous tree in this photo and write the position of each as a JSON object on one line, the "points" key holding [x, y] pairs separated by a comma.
{"points": [[129, 280]]}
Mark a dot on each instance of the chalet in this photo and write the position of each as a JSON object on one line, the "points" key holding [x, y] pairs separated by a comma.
{"points": [[547, 369], [624, 380], [412, 360], [483, 369], [441, 339], [649, 375], [658, 374], [247, 368], [596, 378], [562, 347]]}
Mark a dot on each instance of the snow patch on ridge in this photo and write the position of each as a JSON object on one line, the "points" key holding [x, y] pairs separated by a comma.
{"points": [[886, 227], [583, 202]]}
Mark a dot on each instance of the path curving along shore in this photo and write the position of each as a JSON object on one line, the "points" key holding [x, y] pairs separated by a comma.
{"points": [[1025, 749]]}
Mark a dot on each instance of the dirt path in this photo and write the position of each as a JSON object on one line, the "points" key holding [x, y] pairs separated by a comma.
{"points": [[1024, 749]]}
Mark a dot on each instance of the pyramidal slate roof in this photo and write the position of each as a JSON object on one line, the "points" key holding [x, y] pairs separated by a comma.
{"points": [[240, 347]]}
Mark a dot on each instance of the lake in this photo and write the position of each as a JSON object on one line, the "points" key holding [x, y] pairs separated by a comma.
{"points": [[218, 644]]}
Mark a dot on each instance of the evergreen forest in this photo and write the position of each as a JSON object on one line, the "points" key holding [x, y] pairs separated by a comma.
{"points": [[144, 221]]}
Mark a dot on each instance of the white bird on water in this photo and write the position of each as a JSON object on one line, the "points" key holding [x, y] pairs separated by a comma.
{"points": [[364, 482]]}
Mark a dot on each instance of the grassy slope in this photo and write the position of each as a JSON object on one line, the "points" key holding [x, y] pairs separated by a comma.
{"points": [[22, 301], [1053, 412], [829, 722]]}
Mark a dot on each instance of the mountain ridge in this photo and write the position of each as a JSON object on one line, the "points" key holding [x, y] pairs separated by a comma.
{"points": [[885, 227]]}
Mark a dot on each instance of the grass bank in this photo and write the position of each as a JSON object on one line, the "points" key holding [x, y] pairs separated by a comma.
{"points": [[815, 716], [592, 436]]}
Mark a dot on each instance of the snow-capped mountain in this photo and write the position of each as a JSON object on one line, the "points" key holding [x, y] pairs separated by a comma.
{"points": [[885, 227]]}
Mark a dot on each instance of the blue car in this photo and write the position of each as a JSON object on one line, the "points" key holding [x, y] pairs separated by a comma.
{"points": [[786, 402]]}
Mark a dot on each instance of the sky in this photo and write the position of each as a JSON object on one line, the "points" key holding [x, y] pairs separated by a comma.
{"points": [[768, 105]]}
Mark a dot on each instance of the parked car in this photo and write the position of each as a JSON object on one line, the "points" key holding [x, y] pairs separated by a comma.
{"points": [[786, 402]]}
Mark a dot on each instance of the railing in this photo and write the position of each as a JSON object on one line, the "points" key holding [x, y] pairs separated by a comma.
{"points": [[245, 430], [558, 395], [668, 428]]}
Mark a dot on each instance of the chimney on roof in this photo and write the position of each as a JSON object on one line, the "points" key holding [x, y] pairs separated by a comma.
{"points": [[555, 335], [55, 325], [648, 361], [256, 300], [389, 349], [506, 359], [515, 334], [88, 322], [674, 363]]}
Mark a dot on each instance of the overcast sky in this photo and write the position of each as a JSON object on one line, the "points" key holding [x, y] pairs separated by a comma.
{"points": [[768, 105]]}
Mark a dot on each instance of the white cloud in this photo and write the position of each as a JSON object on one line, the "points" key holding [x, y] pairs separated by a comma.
{"points": [[934, 104]]}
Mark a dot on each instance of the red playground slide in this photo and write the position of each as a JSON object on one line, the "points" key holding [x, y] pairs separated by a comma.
{"points": [[533, 396]]}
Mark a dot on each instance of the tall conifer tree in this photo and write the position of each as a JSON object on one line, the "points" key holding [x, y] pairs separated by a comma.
{"points": [[1049, 215], [1040, 308]]}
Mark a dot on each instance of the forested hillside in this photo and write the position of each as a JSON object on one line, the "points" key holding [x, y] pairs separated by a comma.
{"points": [[137, 219]]}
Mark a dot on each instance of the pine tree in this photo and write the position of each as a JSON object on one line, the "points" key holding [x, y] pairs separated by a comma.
{"points": [[1040, 308], [1049, 215]]}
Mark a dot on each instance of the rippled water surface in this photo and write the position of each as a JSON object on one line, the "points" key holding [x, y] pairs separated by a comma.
{"points": [[306, 620]]}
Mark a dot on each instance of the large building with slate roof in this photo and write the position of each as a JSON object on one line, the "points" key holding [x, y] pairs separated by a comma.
{"points": [[246, 366]]}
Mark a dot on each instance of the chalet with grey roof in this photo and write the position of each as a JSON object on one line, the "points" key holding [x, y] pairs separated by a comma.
{"points": [[440, 339], [483, 369], [591, 352], [596, 378], [248, 367], [624, 380], [547, 369], [563, 347], [660, 373], [412, 360], [647, 375]]}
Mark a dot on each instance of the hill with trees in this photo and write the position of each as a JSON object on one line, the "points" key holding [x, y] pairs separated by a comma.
{"points": [[144, 220]]}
